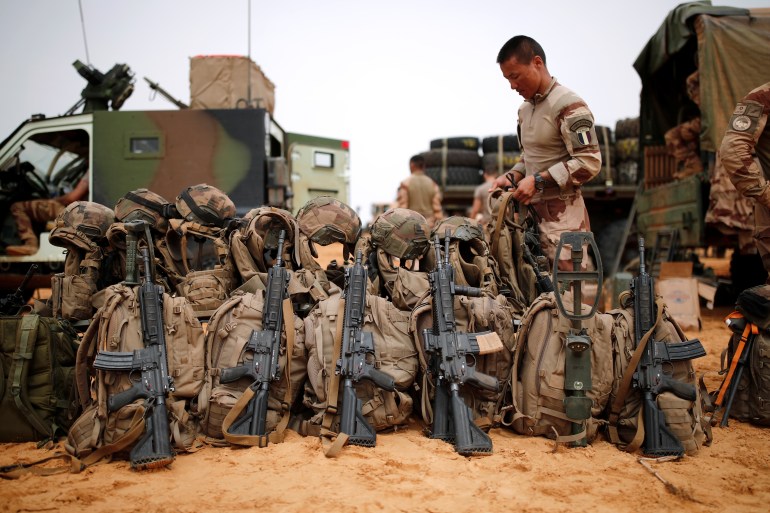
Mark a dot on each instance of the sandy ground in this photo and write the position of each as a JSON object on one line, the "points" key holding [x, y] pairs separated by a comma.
{"points": [[408, 472]]}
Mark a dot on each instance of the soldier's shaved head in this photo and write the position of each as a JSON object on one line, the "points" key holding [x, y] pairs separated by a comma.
{"points": [[523, 48]]}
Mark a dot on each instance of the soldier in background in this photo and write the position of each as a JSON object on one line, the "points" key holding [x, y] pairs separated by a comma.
{"points": [[40, 211], [560, 150], [480, 208], [745, 155], [682, 141], [420, 193]]}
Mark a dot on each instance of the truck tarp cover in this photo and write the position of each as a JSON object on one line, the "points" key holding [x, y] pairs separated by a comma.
{"points": [[733, 52], [226, 81]]}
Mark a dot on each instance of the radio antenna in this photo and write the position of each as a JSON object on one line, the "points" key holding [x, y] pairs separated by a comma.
{"points": [[83, 27]]}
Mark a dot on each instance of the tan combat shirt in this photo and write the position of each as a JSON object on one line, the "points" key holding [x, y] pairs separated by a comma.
{"points": [[745, 150], [420, 193], [557, 134]]}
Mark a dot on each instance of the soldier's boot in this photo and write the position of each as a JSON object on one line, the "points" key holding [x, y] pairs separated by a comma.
{"points": [[29, 247]]}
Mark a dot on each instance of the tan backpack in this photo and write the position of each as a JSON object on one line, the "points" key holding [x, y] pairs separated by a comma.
{"points": [[506, 234], [473, 315], [73, 292], [200, 256], [117, 328], [395, 355], [537, 380], [685, 418], [228, 332]]}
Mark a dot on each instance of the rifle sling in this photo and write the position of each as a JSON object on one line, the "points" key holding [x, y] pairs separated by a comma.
{"points": [[332, 441], [277, 435], [625, 384]]}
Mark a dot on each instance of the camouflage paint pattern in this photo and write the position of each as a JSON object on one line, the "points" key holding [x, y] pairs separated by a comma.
{"points": [[166, 151], [745, 154]]}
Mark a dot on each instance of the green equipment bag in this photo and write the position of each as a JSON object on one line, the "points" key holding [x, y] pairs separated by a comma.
{"points": [[37, 382]]}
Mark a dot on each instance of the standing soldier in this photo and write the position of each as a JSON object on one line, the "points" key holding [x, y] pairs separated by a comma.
{"points": [[745, 155], [560, 150], [420, 193]]}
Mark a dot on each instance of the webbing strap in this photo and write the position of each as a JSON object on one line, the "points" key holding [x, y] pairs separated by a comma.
{"points": [[208, 217], [625, 384], [332, 441]]}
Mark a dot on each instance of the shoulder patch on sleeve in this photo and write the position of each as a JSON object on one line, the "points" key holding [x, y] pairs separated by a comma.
{"points": [[739, 109], [582, 131]]}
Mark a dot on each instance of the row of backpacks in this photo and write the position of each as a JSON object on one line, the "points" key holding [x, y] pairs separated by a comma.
{"points": [[214, 268]]}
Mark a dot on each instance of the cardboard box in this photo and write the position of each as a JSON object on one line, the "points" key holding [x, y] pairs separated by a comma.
{"points": [[224, 82], [679, 291]]}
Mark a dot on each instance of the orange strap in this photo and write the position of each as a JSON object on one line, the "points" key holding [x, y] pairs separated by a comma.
{"points": [[750, 329]]}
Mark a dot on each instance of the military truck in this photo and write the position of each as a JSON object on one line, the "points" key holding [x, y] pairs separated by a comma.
{"points": [[242, 151], [679, 206]]}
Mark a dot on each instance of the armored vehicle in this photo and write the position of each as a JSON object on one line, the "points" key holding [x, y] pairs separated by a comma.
{"points": [[242, 151]]}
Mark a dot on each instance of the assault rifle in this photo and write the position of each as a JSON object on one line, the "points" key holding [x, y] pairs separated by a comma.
{"points": [[356, 359], [452, 362], [649, 377], [13, 303], [544, 283], [265, 347], [153, 450]]}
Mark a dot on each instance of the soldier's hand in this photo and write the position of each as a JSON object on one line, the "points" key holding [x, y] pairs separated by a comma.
{"points": [[525, 190], [501, 182]]}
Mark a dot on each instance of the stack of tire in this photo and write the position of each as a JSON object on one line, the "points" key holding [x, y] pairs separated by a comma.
{"points": [[607, 174], [627, 150], [454, 161], [500, 153]]}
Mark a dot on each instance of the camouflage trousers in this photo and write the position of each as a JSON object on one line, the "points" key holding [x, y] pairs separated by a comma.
{"points": [[29, 213], [762, 234], [561, 215]]}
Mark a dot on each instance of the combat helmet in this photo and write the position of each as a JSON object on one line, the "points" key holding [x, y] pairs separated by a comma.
{"points": [[205, 204], [325, 220], [401, 233], [460, 228], [82, 224], [145, 205]]}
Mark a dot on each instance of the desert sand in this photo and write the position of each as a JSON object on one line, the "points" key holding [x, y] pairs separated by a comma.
{"points": [[408, 472]]}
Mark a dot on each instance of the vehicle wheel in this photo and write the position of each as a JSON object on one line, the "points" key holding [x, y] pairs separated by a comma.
{"points": [[746, 271], [492, 144], [456, 143], [454, 158], [456, 175], [509, 159]]}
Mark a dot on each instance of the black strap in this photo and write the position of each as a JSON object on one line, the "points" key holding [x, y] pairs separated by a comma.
{"points": [[206, 217], [152, 205]]}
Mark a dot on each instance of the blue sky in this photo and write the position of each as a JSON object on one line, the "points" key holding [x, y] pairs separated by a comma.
{"points": [[387, 76]]}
